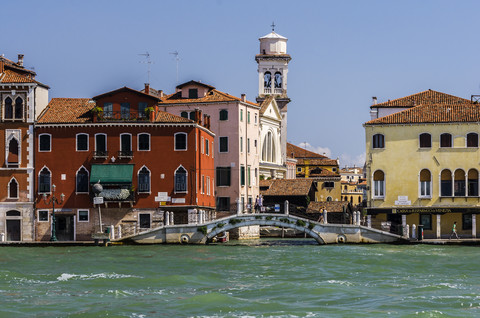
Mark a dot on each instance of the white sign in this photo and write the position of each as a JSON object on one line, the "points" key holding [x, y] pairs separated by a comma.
{"points": [[403, 200], [178, 200], [97, 200], [161, 196]]}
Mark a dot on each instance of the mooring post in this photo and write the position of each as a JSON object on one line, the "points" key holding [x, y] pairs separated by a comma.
{"points": [[325, 220], [414, 231], [369, 221], [171, 219], [167, 218], [119, 231], [354, 217], [286, 207]]}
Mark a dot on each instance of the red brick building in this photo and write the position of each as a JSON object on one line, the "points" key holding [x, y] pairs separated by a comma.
{"points": [[147, 161]]}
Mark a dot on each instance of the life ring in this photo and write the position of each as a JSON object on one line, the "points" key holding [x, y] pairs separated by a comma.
{"points": [[341, 239], [184, 239]]}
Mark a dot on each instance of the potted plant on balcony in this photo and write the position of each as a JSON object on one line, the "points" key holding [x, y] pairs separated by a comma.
{"points": [[149, 112], [96, 113]]}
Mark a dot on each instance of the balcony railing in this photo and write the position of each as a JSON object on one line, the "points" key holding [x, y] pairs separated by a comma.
{"points": [[100, 154], [269, 91], [125, 154], [121, 116]]}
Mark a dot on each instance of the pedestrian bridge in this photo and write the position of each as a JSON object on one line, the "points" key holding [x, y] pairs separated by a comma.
{"points": [[203, 233]]}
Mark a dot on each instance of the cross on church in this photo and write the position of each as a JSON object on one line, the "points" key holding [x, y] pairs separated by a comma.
{"points": [[273, 26]]}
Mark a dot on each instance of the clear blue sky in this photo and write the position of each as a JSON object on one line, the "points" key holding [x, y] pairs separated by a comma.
{"points": [[343, 53]]}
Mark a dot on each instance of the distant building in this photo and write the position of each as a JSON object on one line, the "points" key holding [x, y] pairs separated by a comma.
{"points": [[22, 97], [351, 174], [298, 192]]}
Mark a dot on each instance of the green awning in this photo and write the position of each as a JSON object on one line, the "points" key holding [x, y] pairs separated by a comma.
{"points": [[110, 173]]}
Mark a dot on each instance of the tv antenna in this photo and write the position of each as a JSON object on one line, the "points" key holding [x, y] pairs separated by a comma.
{"points": [[177, 59], [148, 62]]}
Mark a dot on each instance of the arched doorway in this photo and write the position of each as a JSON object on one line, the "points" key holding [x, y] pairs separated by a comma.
{"points": [[13, 225]]}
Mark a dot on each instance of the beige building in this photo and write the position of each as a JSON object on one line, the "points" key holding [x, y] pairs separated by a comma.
{"points": [[423, 166]]}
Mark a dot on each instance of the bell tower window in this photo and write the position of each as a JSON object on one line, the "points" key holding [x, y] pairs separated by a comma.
{"points": [[278, 80], [267, 82]]}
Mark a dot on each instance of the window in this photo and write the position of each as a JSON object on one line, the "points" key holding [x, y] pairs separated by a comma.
{"points": [[299, 169], [329, 199], [192, 115], [473, 182], [202, 147], [207, 146], [82, 180], [472, 140], [193, 93], [223, 203], [125, 145], [223, 114], [425, 183], [241, 144], [329, 184], [249, 183], [379, 184], [144, 142], [278, 80], [144, 220], [18, 108], [242, 175], [101, 145], [184, 114], [267, 80], [255, 118], [248, 145], [8, 108], [82, 142], [378, 141], [108, 110], [446, 183], [223, 144], [45, 142], [459, 183], [223, 176], [269, 148], [13, 151], [466, 221], [241, 114], [44, 181], [446, 140], [202, 185], [13, 189], [42, 215], [248, 117], [82, 215], [208, 185], [426, 221], [180, 141], [425, 140], [141, 109], [144, 180], [180, 180], [125, 110]]}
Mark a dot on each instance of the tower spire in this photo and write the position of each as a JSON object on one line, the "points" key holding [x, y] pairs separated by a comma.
{"points": [[273, 26]]}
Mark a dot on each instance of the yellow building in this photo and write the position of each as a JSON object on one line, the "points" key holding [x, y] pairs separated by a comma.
{"points": [[422, 167], [352, 193]]}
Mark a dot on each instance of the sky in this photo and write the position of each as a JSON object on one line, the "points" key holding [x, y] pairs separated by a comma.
{"points": [[343, 53]]}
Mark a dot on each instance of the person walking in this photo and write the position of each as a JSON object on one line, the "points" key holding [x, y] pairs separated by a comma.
{"points": [[454, 230]]}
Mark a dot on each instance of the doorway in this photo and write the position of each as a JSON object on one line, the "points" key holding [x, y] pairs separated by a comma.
{"points": [[13, 230], [64, 227]]}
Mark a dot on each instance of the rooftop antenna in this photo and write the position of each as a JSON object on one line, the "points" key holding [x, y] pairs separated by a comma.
{"points": [[177, 59], [148, 62]]}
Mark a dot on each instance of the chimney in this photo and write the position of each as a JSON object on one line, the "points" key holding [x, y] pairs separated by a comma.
{"points": [[374, 100], [147, 88], [20, 59], [160, 93], [2, 66], [244, 97], [198, 116]]}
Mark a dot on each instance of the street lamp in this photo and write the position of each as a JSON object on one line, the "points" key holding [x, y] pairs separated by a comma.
{"points": [[52, 200]]}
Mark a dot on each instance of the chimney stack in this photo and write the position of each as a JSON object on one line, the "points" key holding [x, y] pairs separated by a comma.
{"points": [[198, 116], [374, 100], [147, 88], [20, 59], [2, 66], [160, 93], [244, 97]]}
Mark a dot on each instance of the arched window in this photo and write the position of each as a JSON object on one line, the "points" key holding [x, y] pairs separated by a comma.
{"points": [[267, 80], [278, 80], [329, 199], [13, 152], [224, 114], [446, 140], [378, 141], [180, 180], [268, 148], [180, 141], [351, 199], [44, 179], [379, 184], [8, 108], [13, 213], [425, 183], [446, 183], [144, 180], [184, 114], [359, 199], [459, 183], [82, 180], [425, 140], [192, 115], [18, 108], [472, 182], [472, 140], [13, 189]]}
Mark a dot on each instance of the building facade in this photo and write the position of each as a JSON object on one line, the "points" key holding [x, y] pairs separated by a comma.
{"points": [[116, 160], [21, 98]]}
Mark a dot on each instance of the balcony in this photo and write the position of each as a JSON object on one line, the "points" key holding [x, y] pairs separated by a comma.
{"points": [[120, 116], [125, 154], [102, 154], [276, 91]]}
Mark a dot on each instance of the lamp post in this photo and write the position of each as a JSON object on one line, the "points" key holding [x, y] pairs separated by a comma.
{"points": [[52, 200]]}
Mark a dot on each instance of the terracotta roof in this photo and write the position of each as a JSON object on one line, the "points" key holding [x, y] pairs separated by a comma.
{"points": [[331, 206], [297, 152], [212, 96], [286, 187], [317, 162], [77, 110], [437, 113], [14, 73], [426, 97]]}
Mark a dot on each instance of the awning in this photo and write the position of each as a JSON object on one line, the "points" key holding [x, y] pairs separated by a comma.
{"points": [[111, 173]]}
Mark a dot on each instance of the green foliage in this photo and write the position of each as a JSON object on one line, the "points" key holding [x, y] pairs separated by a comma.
{"points": [[257, 217], [234, 221], [301, 223], [285, 220], [311, 226], [97, 110], [220, 225], [149, 110], [202, 229], [269, 217]]}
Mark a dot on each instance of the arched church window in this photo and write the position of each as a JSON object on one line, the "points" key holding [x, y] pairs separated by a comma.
{"points": [[268, 148], [267, 80], [18, 108], [8, 108], [13, 189], [278, 80], [12, 152]]}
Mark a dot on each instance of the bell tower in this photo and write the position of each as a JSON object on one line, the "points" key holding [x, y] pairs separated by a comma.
{"points": [[272, 70]]}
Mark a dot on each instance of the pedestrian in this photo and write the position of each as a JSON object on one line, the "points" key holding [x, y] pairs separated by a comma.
{"points": [[454, 230], [257, 205]]}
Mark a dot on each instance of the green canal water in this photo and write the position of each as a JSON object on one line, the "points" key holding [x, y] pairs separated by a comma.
{"points": [[267, 279]]}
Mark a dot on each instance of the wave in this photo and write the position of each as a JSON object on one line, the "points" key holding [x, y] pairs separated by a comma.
{"points": [[67, 277]]}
